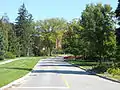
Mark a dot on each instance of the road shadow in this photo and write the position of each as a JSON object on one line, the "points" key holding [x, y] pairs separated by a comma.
{"points": [[17, 68], [62, 65], [83, 63], [62, 72]]}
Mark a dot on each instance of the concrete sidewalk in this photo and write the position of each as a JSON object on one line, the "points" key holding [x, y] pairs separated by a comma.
{"points": [[11, 60]]}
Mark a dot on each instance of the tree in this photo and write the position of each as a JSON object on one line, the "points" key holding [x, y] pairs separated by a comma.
{"points": [[4, 28], [99, 32], [117, 11], [24, 31], [1, 46], [12, 40], [72, 41], [50, 31], [4, 24]]}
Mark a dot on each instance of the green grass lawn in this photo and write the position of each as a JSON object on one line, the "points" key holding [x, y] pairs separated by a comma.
{"points": [[115, 77], [16, 69]]}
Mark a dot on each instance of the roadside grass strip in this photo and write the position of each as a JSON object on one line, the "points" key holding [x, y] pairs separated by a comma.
{"points": [[16, 69]]}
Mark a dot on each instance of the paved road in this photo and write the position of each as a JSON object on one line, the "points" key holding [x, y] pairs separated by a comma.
{"points": [[55, 74]]}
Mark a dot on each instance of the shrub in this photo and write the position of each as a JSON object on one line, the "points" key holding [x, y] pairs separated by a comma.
{"points": [[114, 71], [118, 65], [100, 68], [1, 57], [9, 55], [42, 53]]}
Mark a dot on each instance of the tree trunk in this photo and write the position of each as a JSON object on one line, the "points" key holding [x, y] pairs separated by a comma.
{"points": [[50, 52]]}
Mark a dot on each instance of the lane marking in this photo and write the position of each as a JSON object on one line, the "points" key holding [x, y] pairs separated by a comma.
{"points": [[65, 81], [42, 87]]}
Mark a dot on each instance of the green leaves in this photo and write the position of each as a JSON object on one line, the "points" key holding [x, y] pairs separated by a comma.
{"points": [[1, 41], [93, 35], [72, 38], [51, 32], [99, 29], [24, 31]]}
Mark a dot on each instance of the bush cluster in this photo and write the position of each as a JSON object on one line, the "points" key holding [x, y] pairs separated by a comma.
{"points": [[114, 71], [9, 55]]}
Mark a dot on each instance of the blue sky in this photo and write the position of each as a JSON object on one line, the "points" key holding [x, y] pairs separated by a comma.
{"points": [[42, 9]]}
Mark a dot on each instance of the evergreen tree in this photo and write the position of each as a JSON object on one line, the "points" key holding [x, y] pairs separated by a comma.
{"points": [[1, 45], [1, 42], [12, 40], [24, 31], [4, 28], [117, 11], [118, 19], [4, 24]]}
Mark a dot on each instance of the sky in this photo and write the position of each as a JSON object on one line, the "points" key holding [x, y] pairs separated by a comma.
{"points": [[44, 9]]}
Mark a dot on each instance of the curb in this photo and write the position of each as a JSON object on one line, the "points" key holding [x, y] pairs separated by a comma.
{"points": [[93, 73], [107, 78], [18, 81]]}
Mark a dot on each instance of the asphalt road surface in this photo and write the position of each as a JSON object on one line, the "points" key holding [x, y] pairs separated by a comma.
{"points": [[56, 74]]}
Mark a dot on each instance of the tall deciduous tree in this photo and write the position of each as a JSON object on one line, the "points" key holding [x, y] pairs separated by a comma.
{"points": [[99, 30], [51, 31], [72, 41]]}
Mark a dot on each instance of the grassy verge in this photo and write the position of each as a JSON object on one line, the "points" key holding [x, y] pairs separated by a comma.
{"points": [[83, 64], [92, 66], [114, 77], [16, 69]]}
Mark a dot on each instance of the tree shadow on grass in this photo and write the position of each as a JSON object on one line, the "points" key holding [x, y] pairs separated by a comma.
{"points": [[17, 68]]}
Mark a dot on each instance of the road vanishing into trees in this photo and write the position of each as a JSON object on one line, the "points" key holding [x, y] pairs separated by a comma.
{"points": [[56, 74]]}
